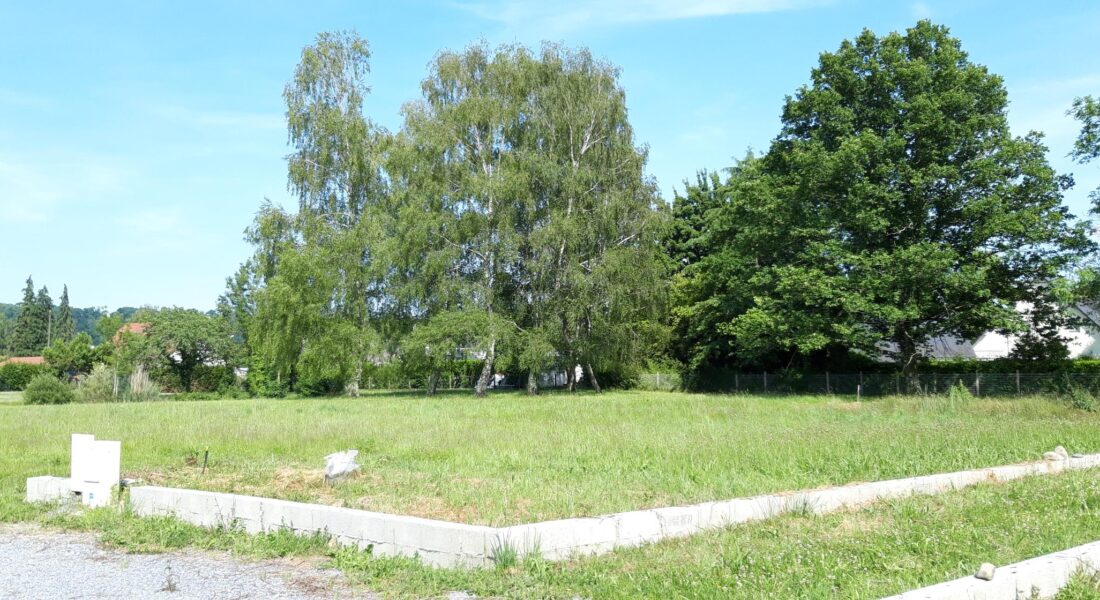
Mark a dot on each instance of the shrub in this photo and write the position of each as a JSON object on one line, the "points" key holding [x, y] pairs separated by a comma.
{"points": [[97, 386], [959, 393], [47, 389], [16, 376], [1081, 398]]}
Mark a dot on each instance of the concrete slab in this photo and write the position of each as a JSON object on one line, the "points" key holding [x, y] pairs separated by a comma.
{"points": [[1040, 577], [442, 543]]}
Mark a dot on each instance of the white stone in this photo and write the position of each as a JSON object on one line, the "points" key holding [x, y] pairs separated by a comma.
{"points": [[986, 572]]}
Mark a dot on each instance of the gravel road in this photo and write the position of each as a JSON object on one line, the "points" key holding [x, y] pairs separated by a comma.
{"points": [[39, 564]]}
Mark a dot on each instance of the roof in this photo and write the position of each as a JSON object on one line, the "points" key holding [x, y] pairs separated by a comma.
{"points": [[133, 328], [24, 360], [130, 328]]}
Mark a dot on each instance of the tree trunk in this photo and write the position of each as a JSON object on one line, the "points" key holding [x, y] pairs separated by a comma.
{"points": [[532, 383], [433, 382], [486, 370], [571, 378], [352, 387], [908, 355], [592, 377]]}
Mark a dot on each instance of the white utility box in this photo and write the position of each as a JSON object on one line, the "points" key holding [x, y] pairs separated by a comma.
{"points": [[95, 468]]}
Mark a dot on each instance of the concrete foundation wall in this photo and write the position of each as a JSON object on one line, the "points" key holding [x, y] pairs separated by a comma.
{"points": [[48, 489], [437, 543], [442, 543], [1040, 577]]}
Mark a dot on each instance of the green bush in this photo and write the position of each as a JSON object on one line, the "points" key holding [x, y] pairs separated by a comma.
{"points": [[97, 386], [261, 382], [47, 389], [959, 393], [1081, 398], [16, 376]]}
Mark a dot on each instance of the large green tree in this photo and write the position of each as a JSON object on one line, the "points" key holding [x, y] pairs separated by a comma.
{"points": [[180, 341], [32, 327], [530, 205], [895, 205], [1085, 150], [314, 313], [26, 330]]}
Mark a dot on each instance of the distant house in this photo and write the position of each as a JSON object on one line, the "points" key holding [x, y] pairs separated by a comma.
{"points": [[1082, 340], [130, 328], [24, 360]]}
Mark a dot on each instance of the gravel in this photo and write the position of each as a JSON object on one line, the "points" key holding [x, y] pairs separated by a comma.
{"points": [[37, 564]]}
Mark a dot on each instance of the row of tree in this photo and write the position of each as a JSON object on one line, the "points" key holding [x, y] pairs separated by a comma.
{"points": [[510, 220], [37, 323]]}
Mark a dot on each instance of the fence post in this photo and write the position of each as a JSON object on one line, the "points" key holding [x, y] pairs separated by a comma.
{"points": [[736, 382], [859, 392], [765, 382], [828, 386], [897, 384], [1017, 382], [977, 384]]}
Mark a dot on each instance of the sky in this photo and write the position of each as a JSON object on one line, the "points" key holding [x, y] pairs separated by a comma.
{"points": [[138, 141]]}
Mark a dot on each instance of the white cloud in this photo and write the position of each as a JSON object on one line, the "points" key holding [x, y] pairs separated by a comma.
{"points": [[33, 190], [574, 14]]}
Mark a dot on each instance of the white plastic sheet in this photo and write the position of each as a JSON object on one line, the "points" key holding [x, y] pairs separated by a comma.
{"points": [[340, 464]]}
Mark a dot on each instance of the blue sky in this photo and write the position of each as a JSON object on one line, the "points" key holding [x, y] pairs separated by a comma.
{"points": [[137, 141]]}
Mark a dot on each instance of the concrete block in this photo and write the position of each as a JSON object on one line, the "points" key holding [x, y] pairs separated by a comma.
{"points": [[679, 521], [48, 489], [454, 544]]}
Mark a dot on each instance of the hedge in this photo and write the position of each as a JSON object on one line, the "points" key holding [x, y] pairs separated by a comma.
{"points": [[16, 376]]}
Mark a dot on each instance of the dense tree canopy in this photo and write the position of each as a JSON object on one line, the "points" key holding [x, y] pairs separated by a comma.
{"points": [[510, 217], [894, 205]]}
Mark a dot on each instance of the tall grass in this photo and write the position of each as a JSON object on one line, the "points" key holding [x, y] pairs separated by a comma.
{"points": [[509, 458]]}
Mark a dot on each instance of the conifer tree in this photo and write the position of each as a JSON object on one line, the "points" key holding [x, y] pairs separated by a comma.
{"points": [[29, 336], [64, 328]]}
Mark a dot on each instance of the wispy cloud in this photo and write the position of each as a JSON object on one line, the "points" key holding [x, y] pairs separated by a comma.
{"points": [[220, 118], [921, 10], [569, 15], [32, 190]]}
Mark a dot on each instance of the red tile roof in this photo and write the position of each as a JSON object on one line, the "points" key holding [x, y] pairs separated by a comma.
{"points": [[24, 360]]}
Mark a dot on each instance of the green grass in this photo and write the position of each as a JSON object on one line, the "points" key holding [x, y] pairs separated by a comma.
{"points": [[1083, 586], [508, 458], [11, 397]]}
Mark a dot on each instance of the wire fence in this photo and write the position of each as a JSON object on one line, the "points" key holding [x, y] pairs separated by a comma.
{"points": [[884, 384]]}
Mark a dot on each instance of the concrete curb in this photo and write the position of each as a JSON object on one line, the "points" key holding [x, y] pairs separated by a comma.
{"points": [[442, 543], [1040, 577]]}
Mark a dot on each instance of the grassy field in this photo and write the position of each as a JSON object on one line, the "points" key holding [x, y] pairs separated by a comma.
{"points": [[508, 458], [11, 397]]}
